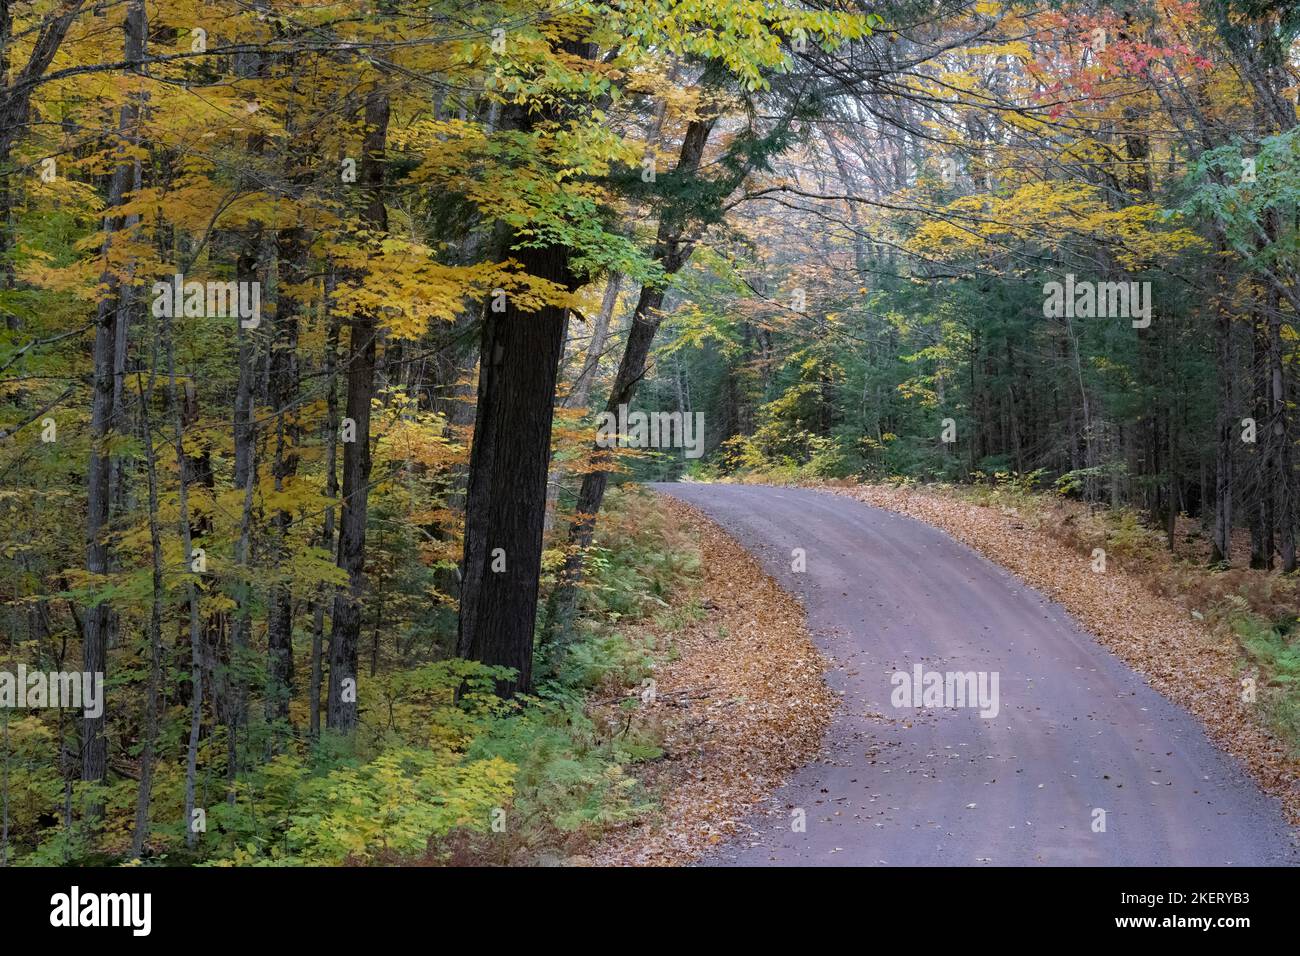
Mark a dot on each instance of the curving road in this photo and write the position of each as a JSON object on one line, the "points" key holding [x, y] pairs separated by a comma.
{"points": [[1076, 731]]}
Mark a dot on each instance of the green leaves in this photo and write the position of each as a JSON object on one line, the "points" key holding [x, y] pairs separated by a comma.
{"points": [[1239, 189], [752, 39]]}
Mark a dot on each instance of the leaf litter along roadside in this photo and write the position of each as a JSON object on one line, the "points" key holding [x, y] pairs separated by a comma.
{"points": [[744, 705], [1181, 657]]}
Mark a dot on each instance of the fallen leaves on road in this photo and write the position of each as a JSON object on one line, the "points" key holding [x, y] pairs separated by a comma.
{"points": [[745, 704], [1179, 656]]}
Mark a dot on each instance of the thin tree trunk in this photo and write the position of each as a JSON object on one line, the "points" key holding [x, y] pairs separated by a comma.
{"points": [[341, 706], [1221, 546], [1260, 492], [191, 591], [240, 629], [323, 595], [672, 250], [94, 749], [4, 788], [1280, 437], [580, 395], [15, 96], [143, 795], [245, 479], [283, 384]]}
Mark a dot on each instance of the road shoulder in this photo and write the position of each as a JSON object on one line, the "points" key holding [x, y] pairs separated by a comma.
{"points": [[744, 701]]}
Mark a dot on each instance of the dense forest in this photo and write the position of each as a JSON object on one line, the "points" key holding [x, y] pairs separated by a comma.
{"points": [[315, 317]]}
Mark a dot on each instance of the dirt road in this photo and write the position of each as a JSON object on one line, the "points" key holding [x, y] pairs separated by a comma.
{"points": [[1079, 763]]}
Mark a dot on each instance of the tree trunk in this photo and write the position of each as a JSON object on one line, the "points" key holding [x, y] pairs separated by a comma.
{"points": [[1280, 438], [332, 424], [191, 593], [341, 712], [1221, 546], [581, 393], [283, 382], [95, 625], [506, 492], [1260, 492], [144, 793]]}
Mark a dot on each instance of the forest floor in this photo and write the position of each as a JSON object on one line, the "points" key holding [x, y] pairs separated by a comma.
{"points": [[743, 704], [1080, 760]]}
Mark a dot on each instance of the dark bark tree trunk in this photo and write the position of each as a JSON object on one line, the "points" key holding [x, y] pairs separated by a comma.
{"points": [[245, 434], [111, 311], [15, 97], [191, 592], [1221, 546], [1279, 437], [143, 795], [324, 595], [505, 498], [282, 393], [341, 709], [1260, 492]]}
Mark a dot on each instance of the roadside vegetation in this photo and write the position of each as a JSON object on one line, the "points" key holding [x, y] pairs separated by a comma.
{"points": [[427, 778]]}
